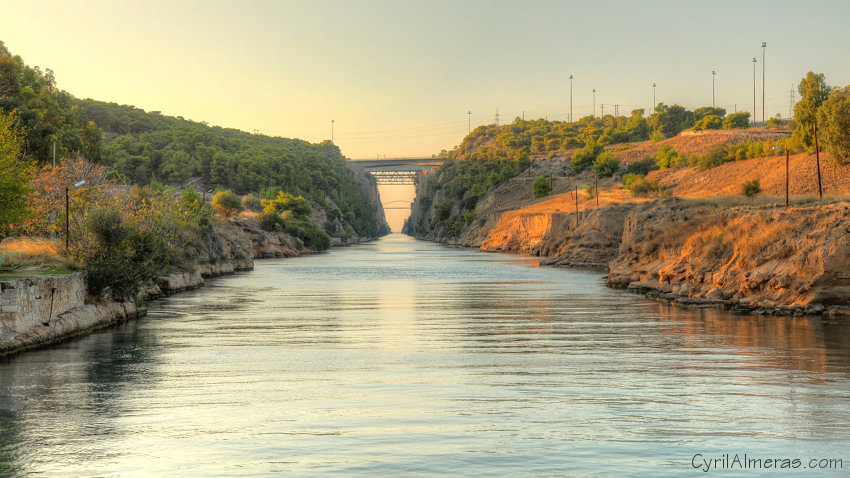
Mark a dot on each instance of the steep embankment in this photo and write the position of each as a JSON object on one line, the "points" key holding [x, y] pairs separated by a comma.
{"points": [[703, 251]]}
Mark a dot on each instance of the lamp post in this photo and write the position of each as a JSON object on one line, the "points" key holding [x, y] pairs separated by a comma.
{"points": [[763, 48], [332, 131], [787, 153], [653, 97], [571, 98], [469, 120], [594, 103], [754, 90], [713, 74], [68, 216]]}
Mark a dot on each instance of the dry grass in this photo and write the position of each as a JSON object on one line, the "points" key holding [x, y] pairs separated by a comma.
{"points": [[33, 255]]}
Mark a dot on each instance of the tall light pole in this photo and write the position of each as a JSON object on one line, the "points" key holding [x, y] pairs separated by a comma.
{"points": [[713, 74], [653, 97], [754, 90], [571, 98], [594, 103], [469, 120], [763, 48], [332, 131]]}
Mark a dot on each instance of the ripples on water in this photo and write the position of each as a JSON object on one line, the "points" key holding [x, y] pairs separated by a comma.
{"points": [[408, 358]]}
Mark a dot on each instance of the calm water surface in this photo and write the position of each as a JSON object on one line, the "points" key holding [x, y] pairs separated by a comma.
{"points": [[405, 358]]}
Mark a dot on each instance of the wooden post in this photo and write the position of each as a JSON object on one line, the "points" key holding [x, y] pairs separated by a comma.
{"points": [[576, 194], [787, 153], [67, 222], [817, 156], [596, 186]]}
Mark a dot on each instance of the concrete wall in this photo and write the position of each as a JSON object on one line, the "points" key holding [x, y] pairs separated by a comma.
{"points": [[26, 304]]}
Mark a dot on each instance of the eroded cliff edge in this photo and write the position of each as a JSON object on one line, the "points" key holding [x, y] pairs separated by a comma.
{"points": [[695, 253]]}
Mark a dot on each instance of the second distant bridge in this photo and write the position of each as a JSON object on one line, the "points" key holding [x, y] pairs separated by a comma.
{"points": [[397, 170]]}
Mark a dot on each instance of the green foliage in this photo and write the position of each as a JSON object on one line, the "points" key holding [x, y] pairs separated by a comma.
{"points": [[640, 186], [813, 93], [671, 120], [15, 176], [834, 121], [606, 165], [467, 217], [541, 187], [657, 136], [643, 166], [701, 113], [630, 178], [751, 188], [774, 122], [708, 122], [585, 157], [44, 113], [123, 256], [666, 157], [737, 121], [442, 210], [227, 203]]}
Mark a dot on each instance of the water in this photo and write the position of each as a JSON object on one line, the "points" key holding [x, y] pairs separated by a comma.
{"points": [[405, 358]]}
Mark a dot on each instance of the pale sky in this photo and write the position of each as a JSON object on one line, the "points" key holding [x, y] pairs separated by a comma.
{"points": [[398, 77]]}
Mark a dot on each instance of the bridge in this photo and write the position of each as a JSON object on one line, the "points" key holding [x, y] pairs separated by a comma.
{"points": [[396, 170]]}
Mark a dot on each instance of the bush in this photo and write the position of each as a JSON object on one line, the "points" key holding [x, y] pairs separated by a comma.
{"points": [[227, 203], [834, 118], [630, 178], [751, 189], [123, 257], [442, 210], [252, 202], [583, 158], [642, 167], [737, 121], [541, 187], [774, 122], [666, 157], [657, 136], [641, 186], [606, 165], [708, 122]]}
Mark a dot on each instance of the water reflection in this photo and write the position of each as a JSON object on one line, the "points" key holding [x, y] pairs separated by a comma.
{"points": [[407, 358]]}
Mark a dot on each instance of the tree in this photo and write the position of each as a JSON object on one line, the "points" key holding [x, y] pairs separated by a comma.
{"points": [[701, 113], [708, 122], [583, 158], [606, 165], [15, 175], [541, 187], [737, 121], [227, 203], [813, 93], [834, 124]]}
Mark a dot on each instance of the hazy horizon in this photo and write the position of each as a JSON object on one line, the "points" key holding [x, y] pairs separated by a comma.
{"points": [[398, 77]]}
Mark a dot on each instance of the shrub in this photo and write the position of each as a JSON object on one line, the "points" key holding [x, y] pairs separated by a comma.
{"points": [[642, 167], [541, 187], [442, 210], [252, 202], [641, 187], [737, 121], [583, 158], [630, 178], [773, 122], [708, 122], [589, 193], [606, 165], [751, 189], [666, 157], [657, 136], [227, 203]]}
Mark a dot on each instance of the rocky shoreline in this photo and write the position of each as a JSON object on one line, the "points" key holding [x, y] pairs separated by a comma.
{"points": [[40, 311]]}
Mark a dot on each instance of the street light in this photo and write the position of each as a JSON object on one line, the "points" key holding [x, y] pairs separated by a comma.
{"points": [[332, 131], [713, 74], [763, 48], [571, 98], [594, 103], [469, 118], [754, 90], [653, 97], [787, 205]]}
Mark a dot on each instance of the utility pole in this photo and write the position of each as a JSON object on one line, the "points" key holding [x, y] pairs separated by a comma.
{"points": [[754, 90], [469, 120], [332, 131], [713, 74], [603, 110], [763, 48], [571, 98], [653, 97], [497, 116]]}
